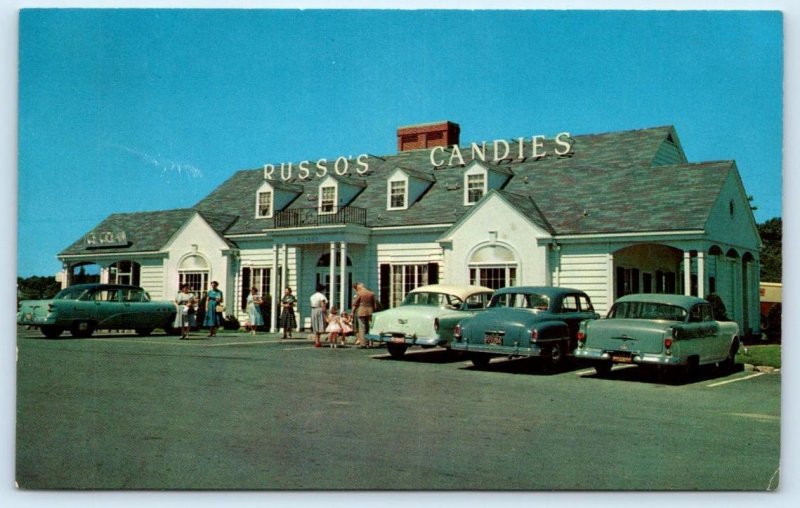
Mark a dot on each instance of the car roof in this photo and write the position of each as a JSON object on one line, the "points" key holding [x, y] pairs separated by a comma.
{"points": [[548, 291], [463, 292], [679, 300], [102, 286]]}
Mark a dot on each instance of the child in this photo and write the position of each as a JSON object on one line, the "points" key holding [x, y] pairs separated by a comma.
{"points": [[347, 327], [334, 327]]}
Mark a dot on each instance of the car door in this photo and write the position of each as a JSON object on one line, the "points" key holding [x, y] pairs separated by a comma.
{"points": [[135, 309], [574, 309], [698, 333], [104, 307]]}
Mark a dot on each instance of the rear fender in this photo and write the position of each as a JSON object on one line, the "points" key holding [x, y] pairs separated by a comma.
{"points": [[551, 330]]}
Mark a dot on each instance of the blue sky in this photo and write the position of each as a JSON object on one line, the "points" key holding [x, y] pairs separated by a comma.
{"points": [[131, 110]]}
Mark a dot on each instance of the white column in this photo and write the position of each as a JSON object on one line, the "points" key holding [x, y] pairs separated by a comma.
{"points": [[274, 291], [612, 283], [687, 273], [332, 286], [343, 274], [701, 274], [105, 275]]}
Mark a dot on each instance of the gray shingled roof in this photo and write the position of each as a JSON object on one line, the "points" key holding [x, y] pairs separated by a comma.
{"points": [[608, 183], [148, 231]]}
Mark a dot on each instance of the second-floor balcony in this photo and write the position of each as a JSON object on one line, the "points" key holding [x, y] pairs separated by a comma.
{"points": [[305, 217]]}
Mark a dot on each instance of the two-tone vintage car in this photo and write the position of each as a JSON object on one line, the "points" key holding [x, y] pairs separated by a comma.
{"points": [[534, 321], [668, 332], [427, 316], [84, 308]]}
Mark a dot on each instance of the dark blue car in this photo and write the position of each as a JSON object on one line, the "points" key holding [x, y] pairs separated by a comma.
{"points": [[535, 321]]}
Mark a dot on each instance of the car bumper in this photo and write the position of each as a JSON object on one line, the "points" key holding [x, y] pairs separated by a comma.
{"points": [[29, 320], [620, 357], [409, 340], [532, 350]]}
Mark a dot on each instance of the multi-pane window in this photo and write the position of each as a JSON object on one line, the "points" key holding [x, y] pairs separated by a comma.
{"points": [[494, 277], [264, 206], [327, 200], [124, 272], [397, 194], [475, 187], [197, 281], [404, 279]]}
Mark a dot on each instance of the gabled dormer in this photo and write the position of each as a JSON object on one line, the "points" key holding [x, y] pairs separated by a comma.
{"points": [[480, 178], [670, 151], [405, 186], [273, 197], [336, 192]]}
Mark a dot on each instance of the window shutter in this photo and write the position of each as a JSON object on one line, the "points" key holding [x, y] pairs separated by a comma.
{"points": [[245, 287], [385, 285], [433, 273]]}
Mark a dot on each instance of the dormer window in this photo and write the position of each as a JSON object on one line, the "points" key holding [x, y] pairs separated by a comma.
{"points": [[480, 179], [327, 199], [475, 188], [398, 192], [264, 204]]}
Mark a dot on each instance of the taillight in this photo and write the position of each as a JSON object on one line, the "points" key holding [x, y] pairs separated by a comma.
{"points": [[581, 337], [534, 335], [436, 325], [457, 331], [668, 342]]}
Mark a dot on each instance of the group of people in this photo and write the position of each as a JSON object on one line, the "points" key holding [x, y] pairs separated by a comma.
{"points": [[340, 326], [323, 320], [188, 305]]}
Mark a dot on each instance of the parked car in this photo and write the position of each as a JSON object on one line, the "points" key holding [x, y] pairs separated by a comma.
{"points": [[84, 308], [427, 316], [669, 332], [525, 321]]}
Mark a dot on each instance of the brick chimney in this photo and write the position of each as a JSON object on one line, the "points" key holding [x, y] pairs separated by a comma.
{"points": [[427, 135]]}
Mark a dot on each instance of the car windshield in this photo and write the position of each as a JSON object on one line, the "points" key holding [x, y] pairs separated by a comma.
{"points": [[432, 300], [521, 301], [70, 294], [647, 310]]}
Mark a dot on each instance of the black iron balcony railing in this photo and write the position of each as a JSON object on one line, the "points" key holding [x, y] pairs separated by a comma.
{"points": [[303, 217]]}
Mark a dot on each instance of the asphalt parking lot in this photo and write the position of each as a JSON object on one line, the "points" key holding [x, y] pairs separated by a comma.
{"points": [[118, 411]]}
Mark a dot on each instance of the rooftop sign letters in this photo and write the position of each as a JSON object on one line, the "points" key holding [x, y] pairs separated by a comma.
{"points": [[97, 239], [502, 149]]}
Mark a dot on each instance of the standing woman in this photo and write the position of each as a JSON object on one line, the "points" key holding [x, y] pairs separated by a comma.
{"points": [[213, 299], [185, 315], [288, 320], [254, 310]]}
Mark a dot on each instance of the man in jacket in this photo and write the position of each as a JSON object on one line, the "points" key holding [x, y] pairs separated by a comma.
{"points": [[363, 307]]}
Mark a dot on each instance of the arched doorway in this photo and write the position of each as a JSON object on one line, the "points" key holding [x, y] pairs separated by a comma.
{"points": [[193, 270], [84, 273]]}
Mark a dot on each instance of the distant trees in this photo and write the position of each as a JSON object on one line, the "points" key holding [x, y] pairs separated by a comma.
{"points": [[37, 288], [771, 233]]}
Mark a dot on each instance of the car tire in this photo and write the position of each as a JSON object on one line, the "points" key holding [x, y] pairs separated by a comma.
{"points": [[726, 365], [480, 361], [144, 332], [82, 329], [554, 360], [603, 368], [51, 332], [396, 350]]}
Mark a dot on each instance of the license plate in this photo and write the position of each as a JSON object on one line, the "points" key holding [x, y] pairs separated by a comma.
{"points": [[493, 339], [399, 340], [28, 317], [622, 358]]}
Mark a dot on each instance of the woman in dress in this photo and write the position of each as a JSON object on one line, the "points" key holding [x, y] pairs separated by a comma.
{"points": [[288, 321], [254, 316], [185, 316], [212, 318]]}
